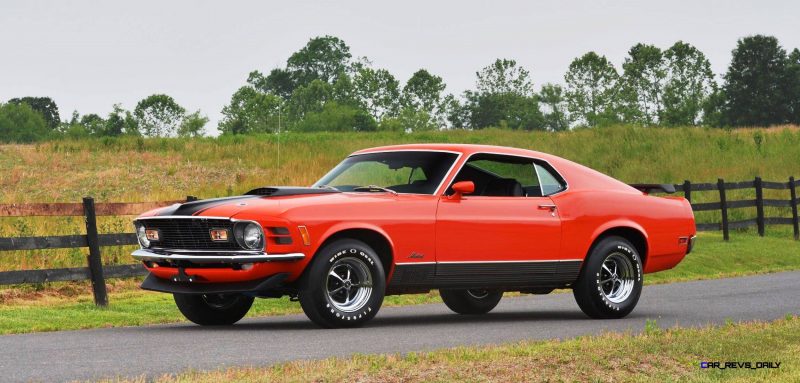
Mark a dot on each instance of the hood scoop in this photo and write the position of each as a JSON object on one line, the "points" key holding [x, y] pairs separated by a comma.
{"points": [[279, 191]]}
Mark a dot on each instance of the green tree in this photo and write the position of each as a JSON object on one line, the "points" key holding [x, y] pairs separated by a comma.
{"points": [[410, 120], [343, 91], [456, 113], [364, 122], [504, 76], [642, 84], [688, 84], [279, 82], [192, 125], [251, 111], [119, 122], [592, 90], [552, 97], [755, 84], [505, 110], [309, 98], [714, 109], [423, 93], [323, 58], [93, 124], [793, 86], [158, 116], [20, 123], [423, 90], [376, 91], [44, 106], [504, 96], [335, 117]]}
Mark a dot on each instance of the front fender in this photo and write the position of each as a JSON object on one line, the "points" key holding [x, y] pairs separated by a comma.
{"points": [[343, 226]]}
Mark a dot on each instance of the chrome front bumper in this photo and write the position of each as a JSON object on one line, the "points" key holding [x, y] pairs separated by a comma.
{"points": [[199, 256]]}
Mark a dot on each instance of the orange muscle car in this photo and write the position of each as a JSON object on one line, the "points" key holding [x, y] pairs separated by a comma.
{"points": [[471, 221]]}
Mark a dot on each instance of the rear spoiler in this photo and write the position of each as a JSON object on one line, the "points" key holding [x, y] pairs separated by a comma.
{"points": [[654, 188]]}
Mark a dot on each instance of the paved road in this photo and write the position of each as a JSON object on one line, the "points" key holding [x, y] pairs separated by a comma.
{"points": [[152, 350]]}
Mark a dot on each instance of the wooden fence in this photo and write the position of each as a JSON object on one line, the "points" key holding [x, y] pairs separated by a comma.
{"points": [[759, 202], [97, 273]]}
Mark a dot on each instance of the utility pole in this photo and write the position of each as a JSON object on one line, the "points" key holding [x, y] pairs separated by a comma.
{"points": [[280, 109]]}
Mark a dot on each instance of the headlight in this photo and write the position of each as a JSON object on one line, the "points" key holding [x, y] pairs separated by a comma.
{"points": [[249, 235], [142, 235]]}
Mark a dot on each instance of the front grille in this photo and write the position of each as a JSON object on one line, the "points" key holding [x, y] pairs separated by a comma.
{"points": [[190, 233]]}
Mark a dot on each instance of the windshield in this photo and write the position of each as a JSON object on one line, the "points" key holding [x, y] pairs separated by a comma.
{"points": [[416, 172]]}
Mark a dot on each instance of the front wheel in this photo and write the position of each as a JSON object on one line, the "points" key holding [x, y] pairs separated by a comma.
{"points": [[344, 286], [472, 301], [611, 281], [213, 309]]}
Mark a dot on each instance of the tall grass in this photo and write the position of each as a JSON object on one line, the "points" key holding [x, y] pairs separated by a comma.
{"points": [[134, 169]]}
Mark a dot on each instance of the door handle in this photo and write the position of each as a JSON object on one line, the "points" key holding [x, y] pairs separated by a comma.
{"points": [[548, 206]]}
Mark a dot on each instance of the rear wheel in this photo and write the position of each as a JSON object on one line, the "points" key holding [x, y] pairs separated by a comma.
{"points": [[344, 286], [471, 301], [611, 280], [213, 309]]}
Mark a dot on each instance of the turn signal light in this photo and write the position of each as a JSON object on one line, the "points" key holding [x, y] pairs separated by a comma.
{"points": [[304, 235], [219, 235], [151, 234]]}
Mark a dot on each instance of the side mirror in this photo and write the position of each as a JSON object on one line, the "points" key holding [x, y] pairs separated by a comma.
{"points": [[462, 188]]}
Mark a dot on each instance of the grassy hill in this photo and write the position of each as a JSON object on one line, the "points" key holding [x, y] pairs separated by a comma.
{"points": [[136, 169]]}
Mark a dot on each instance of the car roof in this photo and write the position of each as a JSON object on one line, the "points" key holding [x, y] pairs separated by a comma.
{"points": [[463, 148]]}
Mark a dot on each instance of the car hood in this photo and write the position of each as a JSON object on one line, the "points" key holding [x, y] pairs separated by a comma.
{"points": [[261, 199]]}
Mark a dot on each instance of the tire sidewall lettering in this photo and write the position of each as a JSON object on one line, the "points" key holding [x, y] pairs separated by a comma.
{"points": [[634, 256], [368, 308]]}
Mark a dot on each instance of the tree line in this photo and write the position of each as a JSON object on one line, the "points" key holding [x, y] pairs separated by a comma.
{"points": [[323, 87]]}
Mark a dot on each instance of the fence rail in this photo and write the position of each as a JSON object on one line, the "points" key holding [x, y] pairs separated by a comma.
{"points": [[97, 273], [759, 202]]}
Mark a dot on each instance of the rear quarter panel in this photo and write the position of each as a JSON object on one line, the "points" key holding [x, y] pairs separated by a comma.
{"points": [[587, 214]]}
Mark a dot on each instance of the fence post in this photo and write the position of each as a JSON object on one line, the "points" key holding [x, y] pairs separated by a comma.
{"points": [[793, 202], [723, 205], [759, 205], [687, 190], [191, 198], [94, 260]]}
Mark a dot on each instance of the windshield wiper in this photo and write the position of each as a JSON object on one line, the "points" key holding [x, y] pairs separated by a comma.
{"points": [[327, 187], [372, 188]]}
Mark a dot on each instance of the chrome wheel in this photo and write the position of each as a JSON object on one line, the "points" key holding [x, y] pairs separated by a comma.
{"points": [[349, 284], [617, 278]]}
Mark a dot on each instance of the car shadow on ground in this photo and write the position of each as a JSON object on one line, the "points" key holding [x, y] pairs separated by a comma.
{"points": [[299, 322]]}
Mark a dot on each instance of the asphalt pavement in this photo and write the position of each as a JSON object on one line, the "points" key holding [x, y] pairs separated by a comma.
{"points": [[155, 350]]}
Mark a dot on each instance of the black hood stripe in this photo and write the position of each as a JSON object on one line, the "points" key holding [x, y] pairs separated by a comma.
{"points": [[197, 207]]}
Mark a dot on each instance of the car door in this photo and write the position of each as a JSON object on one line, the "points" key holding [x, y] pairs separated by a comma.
{"points": [[506, 221]]}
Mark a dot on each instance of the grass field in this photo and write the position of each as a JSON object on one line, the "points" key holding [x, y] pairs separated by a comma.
{"points": [[135, 169], [69, 306], [654, 355]]}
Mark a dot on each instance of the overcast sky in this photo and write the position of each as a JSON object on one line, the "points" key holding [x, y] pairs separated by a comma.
{"points": [[89, 55]]}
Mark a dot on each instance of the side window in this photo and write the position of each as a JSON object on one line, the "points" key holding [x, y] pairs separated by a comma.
{"points": [[497, 175], [521, 172], [550, 182]]}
